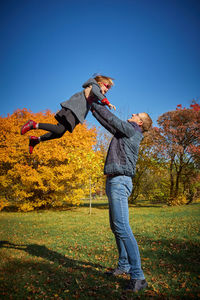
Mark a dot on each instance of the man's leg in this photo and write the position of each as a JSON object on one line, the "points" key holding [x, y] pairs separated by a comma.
{"points": [[123, 263], [120, 188]]}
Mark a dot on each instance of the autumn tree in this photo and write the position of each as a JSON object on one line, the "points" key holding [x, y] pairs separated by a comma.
{"points": [[150, 180], [56, 173], [179, 142], [167, 169]]}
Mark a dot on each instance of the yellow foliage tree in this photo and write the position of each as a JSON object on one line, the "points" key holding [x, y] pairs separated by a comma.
{"points": [[57, 172]]}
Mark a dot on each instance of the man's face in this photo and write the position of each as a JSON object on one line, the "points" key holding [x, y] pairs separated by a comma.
{"points": [[137, 118]]}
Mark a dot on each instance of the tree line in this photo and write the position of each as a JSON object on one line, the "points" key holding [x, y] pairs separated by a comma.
{"points": [[65, 171]]}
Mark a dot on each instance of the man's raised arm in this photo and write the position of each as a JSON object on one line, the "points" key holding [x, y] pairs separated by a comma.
{"points": [[95, 111], [106, 118]]}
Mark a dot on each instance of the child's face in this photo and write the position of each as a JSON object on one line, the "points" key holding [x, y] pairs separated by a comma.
{"points": [[104, 87]]}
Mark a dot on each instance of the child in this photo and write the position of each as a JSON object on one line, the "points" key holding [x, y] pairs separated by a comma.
{"points": [[73, 111]]}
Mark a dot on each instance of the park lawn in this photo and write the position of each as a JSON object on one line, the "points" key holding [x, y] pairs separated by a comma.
{"points": [[64, 254]]}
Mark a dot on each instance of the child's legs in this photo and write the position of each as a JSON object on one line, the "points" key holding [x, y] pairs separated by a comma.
{"points": [[56, 131]]}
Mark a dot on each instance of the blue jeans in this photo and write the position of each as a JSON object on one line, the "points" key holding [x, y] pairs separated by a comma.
{"points": [[118, 189]]}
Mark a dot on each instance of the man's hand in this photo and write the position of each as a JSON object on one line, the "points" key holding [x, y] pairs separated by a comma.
{"points": [[111, 106]]}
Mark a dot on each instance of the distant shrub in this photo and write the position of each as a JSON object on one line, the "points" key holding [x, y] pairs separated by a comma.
{"points": [[179, 200]]}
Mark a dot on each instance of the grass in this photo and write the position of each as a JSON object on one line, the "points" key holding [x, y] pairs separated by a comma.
{"points": [[64, 254]]}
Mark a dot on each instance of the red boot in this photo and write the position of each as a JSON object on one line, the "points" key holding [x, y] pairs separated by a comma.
{"points": [[33, 141], [28, 126]]}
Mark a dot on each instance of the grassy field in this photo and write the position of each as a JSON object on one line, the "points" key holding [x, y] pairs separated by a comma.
{"points": [[64, 254]]}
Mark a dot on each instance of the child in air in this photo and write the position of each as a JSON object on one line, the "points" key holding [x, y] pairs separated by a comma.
{"points": [[73, 111]]}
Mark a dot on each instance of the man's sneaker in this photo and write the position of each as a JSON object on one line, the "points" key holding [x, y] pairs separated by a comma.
{"points": [[136, 285], [116, 272], [33, 141], [28, 126]]}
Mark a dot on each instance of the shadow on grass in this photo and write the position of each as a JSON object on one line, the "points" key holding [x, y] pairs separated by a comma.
{"points": [[61, 276], [104, 205], [44, 252], [146, 205], [168, 264], [96, 205]]}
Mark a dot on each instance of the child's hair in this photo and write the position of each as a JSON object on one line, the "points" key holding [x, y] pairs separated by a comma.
{"points": [[147, 122], [104, 79]]}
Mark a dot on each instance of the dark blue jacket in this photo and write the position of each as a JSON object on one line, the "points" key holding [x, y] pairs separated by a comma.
{"points": [[124, 147]]}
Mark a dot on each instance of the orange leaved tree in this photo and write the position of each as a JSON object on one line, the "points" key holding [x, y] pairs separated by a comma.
{"points": [[57, 172]]}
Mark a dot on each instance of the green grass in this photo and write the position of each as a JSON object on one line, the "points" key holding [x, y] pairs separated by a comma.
{"points": [[64, 254]]}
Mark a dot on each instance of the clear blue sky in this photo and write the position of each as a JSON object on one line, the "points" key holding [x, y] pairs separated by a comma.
{"points": [[50, 47]]}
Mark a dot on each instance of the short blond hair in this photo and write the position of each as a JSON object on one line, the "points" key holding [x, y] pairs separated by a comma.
{"points": [[147, 121], [104, 79]]}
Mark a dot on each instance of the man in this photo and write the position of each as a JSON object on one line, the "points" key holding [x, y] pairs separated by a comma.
{"points": [[120, 168]]}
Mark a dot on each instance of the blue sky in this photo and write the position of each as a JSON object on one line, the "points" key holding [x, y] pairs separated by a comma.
{"points": [[49, 48]]}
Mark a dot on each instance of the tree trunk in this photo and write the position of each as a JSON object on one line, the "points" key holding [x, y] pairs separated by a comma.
{"points": [[90, 196], [177, 184], [178, 175], [171, 178], [190, 201]]}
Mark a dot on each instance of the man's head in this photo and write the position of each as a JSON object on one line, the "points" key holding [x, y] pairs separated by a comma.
{"points": [[143, 120]]}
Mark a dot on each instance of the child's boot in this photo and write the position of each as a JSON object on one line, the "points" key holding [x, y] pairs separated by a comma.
{"points": [[33, 141], [28, 126]]}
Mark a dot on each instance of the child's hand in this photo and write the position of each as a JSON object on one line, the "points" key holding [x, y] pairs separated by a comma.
{"points": [[111, 106]]}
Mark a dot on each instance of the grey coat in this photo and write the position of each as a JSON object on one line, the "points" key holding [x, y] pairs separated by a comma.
{"points": [[124, 147], [78, 103]]}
